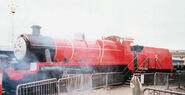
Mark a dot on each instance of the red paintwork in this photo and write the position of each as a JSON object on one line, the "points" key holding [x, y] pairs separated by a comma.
{"points": [[1, 79], [108, 51], [112, 50], [158, 58], [98, 52]]}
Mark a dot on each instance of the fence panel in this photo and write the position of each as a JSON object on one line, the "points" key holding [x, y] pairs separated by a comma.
{"points": [[70, 83], [75, 83], [99, 80], [43, 87], [106, 79], [148, 78], [154, 91], [177, 79], [86, 81], [161, 79], [115, 78]]}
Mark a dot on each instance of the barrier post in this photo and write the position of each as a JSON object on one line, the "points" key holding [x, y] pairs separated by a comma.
{"points": [[106, 79], [168, 81], [155, 74]]}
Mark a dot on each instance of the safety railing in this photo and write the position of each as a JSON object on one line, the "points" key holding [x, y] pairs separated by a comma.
{"points": [[106, 79], [154, 91], [162, 80], [149, 64], [129, 64], [126, 70], [146, 67], [43, 87], [74, 83], [143, 63], [89, 81], [137, 69], [70, 83]]}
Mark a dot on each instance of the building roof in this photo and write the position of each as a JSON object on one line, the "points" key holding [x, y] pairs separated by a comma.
{"points": [[178, 53], [6, 48]]}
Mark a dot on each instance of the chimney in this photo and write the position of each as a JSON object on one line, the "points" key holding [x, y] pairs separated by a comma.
{"points": [[36, 30]]}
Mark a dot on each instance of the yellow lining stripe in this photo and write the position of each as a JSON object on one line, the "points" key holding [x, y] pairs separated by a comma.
{"points": [[102, 52], [99, 50], [72, 46], [89, 48], [79, 47]]}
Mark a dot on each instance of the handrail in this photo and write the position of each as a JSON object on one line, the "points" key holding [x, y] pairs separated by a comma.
{"points": [[164, 91], [156, 65], [149, 63], [129, 64], [139, 65], [142, 63], [159, 63], [132, 67], [145, 60]]}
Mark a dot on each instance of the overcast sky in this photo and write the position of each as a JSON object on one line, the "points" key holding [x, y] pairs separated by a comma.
{"points": [[156, 23]]}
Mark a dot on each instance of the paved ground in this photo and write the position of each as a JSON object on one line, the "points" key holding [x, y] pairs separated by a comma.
{"points": [[105, 91], [119, 91], [112, 91]]}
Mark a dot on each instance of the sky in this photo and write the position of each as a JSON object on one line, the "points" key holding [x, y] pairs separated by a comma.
{"points": [[154, 23]]}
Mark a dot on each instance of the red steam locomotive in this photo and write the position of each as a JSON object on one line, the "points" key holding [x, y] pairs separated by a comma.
{"points": [[40, 57]]}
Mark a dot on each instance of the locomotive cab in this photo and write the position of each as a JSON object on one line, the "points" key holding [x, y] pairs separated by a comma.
{"points": [[115, 39]]}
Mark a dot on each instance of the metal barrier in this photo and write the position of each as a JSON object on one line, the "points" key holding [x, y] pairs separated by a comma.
{"points": [[161, 79], [43, 87], [89, 81], [106, 79], [70, 83], [167, 80], [152, 91], [74, 83]]}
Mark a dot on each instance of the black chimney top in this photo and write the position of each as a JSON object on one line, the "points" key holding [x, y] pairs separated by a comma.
{"points": [[36, 30]]}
